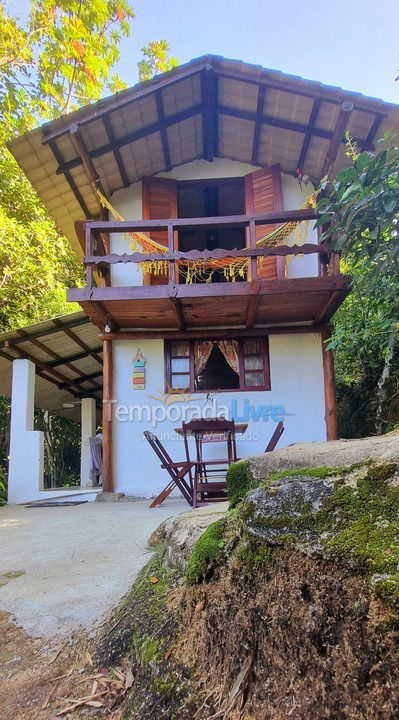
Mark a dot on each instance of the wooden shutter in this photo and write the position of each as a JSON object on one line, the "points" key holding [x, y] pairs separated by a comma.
{"points": [[159, 203], [263, 194]]}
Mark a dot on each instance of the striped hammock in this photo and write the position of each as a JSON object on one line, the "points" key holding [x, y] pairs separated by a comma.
{"points": [[202, 270]]}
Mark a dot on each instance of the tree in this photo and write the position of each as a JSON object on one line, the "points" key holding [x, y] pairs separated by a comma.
{"points": [[60, 58], [361, 209], [156, 60]]}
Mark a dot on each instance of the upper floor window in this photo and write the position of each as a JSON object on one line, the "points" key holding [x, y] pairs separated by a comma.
{"points": [[225, 364]]}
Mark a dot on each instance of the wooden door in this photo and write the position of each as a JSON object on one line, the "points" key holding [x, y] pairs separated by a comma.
{"points": [[263, 194], [159, 202]]}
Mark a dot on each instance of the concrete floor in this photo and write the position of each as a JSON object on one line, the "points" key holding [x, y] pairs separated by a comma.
{"points": [[75, 562]]}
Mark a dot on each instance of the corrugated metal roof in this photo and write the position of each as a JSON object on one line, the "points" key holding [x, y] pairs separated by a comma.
{"points": [[130, 129], [68, 357]]}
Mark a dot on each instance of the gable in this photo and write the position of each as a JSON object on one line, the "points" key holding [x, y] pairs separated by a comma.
{"points": [[208, 108]]}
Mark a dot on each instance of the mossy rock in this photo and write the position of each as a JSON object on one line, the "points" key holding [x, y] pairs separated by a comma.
{"points": [[253, 555], [209, 551], [145, 628], [349, 514], [386, 586], [285, 510], [239, 481]]}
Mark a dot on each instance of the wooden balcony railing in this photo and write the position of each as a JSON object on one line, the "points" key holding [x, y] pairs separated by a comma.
{"points": [[98, 256]]}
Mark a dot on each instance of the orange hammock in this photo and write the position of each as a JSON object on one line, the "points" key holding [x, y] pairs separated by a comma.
{"points": [[202, 270]]}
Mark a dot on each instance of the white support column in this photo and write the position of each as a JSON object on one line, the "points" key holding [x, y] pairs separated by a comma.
{"points": [[88, 429], [25, 475]]}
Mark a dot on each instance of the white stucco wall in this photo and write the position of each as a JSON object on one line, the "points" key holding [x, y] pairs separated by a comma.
{"points": [[128, 202], [296, 386]]}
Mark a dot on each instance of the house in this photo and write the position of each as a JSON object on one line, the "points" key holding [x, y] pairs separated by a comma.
{"points": [[171, 192]]}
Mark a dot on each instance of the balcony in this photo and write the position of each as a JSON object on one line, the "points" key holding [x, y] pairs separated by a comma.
{"points": [[171, 304]]}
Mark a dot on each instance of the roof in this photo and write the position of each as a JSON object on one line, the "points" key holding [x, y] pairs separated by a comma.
{"points": [[68, 357], [209, 107]]}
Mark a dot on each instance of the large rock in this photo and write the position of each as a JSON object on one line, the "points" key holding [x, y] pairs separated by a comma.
{"points": [[336, 453], [180, 533], [271, 511]]}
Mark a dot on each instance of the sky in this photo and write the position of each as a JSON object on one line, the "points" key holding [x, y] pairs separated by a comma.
{"points": [[350, 43]]}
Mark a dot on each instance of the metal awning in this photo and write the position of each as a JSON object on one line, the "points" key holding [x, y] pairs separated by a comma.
{"points": [[210, 107], [67, 354]]}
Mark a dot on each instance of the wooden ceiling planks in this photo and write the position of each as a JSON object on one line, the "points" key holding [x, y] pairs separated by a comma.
{"points": [[310, 300], [208, 108]]}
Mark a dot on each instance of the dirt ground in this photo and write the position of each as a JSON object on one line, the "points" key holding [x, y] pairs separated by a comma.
{"points": [[42, 681]]}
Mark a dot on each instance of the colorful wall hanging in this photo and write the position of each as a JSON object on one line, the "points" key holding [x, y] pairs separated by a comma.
{"points": [[138, 371]]}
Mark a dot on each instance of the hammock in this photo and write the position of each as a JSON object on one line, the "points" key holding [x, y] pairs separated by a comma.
{"points": [[203, 270]]}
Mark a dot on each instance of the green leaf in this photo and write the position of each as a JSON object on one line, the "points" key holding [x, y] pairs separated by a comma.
{"points": [[389, 202]]}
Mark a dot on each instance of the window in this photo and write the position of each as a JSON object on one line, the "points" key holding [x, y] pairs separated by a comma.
{"points": [[223, 364], [211, 198]]}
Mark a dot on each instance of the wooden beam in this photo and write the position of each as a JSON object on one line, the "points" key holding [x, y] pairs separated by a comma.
{"points": [[336, 138], [65, 381], [108, 392], [273, 121], [117, 154], [373, 130], [105, 318], [286, 124], [162, 129], [141, 293], [210, 125], [90, 376], [290, 86], [70, 180], [209, 334], [255, 77], [125, 99], [327, 311], [258, 123], [78, 340], [57, 357], [73, 358], [80, 233], [219, 254], [226, 221], [88, 165], [178, 313], [43, 375], [253, 302], [49, 331], [329, 387], [308, 134], [131, 137]]}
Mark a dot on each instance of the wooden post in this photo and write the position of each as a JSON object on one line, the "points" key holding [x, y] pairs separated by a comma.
{"points": [[252, 244], [171, 246], [108, 376], [88, 253], [329, 386]]}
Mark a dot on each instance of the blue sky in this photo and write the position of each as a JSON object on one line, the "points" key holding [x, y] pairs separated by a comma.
{"points": [[349, 43]]}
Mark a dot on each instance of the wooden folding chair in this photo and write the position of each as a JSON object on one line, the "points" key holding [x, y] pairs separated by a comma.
{"points": [[177, 472], [210, 475], [275, 437]]}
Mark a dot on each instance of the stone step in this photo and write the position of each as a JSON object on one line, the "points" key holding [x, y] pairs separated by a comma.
{"points": [[110, 497]]}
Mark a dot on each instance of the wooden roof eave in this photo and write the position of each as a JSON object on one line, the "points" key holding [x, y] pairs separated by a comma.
{"points": [[212, 111]]}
